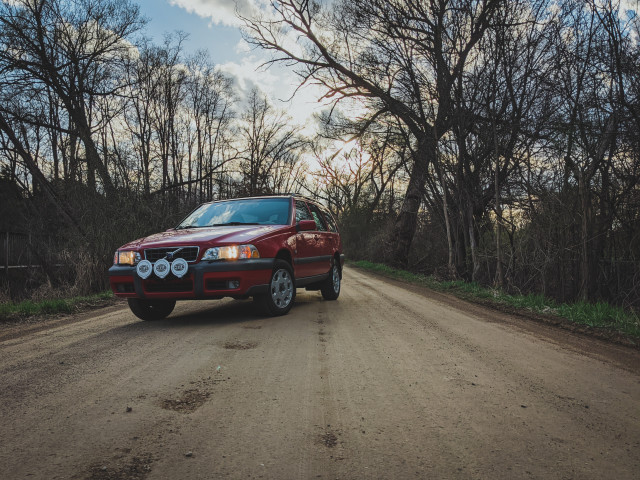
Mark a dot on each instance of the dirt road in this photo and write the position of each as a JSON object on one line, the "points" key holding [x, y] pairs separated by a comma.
{"points": [[388, 382]]}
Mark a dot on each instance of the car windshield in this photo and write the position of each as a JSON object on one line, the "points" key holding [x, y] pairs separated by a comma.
{"points": [[254, 211]]}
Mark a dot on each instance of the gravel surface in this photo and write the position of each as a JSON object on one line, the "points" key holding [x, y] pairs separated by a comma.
{"points": [[390, 381]]}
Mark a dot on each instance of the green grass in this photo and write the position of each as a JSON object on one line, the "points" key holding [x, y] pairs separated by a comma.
{"points": [[394, 273], [597, 315], [29, 308]]}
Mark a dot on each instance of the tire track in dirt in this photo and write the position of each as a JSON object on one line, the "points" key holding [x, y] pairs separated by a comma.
{"points": [[383, 383]]}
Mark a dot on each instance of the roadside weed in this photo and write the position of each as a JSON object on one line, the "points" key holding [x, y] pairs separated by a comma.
{"points": [[28, 308], [596, 315]]}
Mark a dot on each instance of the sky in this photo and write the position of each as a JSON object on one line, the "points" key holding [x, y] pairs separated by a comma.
{"points": [[213, 26]]}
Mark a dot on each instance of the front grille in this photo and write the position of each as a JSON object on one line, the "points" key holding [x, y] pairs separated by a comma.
{"points": [[190, 254]]}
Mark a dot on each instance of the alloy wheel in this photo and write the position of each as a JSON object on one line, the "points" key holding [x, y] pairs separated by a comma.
{"points": [[281, 288], [336, 279]]}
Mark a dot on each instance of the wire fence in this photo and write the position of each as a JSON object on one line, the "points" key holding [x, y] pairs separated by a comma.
{"points": [[24, 250]]}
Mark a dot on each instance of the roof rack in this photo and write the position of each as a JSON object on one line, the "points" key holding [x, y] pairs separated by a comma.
{"points": [[285, 194], [288, 194], [301, 195]]}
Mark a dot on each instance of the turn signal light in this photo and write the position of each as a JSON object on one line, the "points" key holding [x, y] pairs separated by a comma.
{"points": [[126, 257]]}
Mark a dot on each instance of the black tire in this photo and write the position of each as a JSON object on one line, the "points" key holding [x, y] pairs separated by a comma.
{"points": [[282, 291], [331, 287], [151, 309]]}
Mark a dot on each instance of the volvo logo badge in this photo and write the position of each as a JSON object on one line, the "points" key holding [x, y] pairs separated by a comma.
{"points": [[171, 254]]}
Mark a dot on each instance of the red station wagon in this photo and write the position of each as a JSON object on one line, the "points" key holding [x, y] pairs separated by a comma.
{"points": [[260, 247]]}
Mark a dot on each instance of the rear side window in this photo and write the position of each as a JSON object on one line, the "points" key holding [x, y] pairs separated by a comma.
{"points": [[330, 221], [318, 217], [302, 212]]}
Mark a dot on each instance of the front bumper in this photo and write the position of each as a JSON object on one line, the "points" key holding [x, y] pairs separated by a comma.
{"points": [[203, 280]]}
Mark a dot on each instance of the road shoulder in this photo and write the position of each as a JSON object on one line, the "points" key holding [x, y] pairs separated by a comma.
{"points": [[614, 349], [27, 326]]}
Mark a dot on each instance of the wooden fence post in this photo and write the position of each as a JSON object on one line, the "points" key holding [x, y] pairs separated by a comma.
{"points": [[6, 252]]}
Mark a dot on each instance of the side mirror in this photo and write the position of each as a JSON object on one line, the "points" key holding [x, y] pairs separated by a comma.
{"points": [[306, 225]]}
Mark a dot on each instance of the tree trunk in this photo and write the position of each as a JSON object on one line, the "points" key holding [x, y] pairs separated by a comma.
{"points": [[585, 260], [91, 151], [472, 243], [38, 176], [445, 210], [407, 221], [499, 280]]}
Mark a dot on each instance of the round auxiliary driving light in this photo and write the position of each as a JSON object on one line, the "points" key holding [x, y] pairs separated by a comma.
{"points": [[144, 269], [179, 267], [161, 268]]}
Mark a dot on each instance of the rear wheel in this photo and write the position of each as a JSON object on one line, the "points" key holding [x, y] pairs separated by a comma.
{"points": [[282, 291], [151, 309], [331, 286]]}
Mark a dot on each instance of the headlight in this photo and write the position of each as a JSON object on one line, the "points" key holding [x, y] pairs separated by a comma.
{"points": [[231, 252], [126, 257]]}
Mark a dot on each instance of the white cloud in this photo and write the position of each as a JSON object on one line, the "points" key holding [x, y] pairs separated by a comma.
{"points": [[279, 84], [220, 12], [278, 81], [248, 74], [242, 47]]}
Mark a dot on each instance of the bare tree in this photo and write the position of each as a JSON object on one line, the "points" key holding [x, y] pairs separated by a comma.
{"points": [[74, 50], [403, 57], [269, 147], [209, 104]]}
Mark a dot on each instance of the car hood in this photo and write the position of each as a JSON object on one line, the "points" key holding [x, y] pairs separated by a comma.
{"points": [[204, 236]]}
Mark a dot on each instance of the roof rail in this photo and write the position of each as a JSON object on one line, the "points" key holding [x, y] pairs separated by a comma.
{"points": [[306, 197], [287, 194]]}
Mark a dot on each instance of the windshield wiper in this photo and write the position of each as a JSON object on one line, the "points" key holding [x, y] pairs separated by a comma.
{"points": [[234, 224], [182, 227], [231, 224]]}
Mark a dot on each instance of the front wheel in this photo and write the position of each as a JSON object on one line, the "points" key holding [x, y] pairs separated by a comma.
{"points": [[331, 287], [282, 291], [151, 309]]}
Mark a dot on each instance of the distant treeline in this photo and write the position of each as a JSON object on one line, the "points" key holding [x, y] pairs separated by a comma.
{"points": [[495, 141]]}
